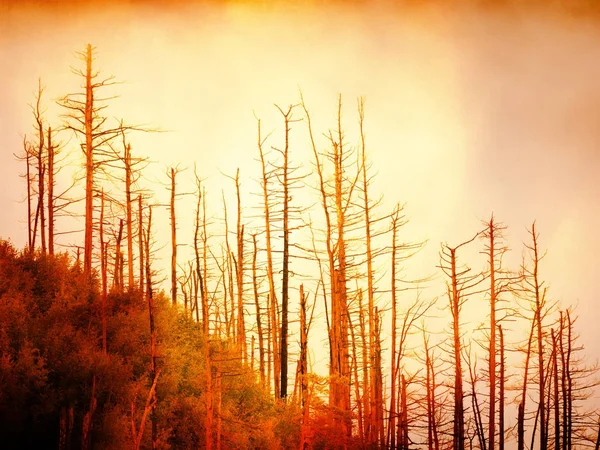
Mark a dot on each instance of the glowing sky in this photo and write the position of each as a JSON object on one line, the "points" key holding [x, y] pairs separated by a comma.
{"points": [[468, 111]]}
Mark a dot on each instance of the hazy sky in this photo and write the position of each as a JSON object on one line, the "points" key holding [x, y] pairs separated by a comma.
{"points": [[469, 111]]}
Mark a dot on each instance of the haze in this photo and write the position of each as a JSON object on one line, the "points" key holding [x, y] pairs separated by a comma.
{"points": [[469, 111]]}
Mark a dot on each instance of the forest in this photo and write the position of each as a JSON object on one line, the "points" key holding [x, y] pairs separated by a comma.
{"points": [[104, 343]]}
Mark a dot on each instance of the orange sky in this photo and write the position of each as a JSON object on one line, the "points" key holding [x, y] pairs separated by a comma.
{"points": [[468, 111]]}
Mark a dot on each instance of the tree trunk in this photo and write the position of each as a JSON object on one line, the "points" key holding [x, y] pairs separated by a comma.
{"points": [[459, 418], [378, 382], [366, 391], [286, 261], [103, 269], [27, 150], [241, 326], [392, 414], [492, 351], [540, 344], [141, 242], [521, 410], [50, 193], [201, 277], [569, 397], [89, 164], [501, 399], [359, 400], [556, 395], [373, 435], [340, 313], [153, 358], [270, 274], [173, 241], [403, 439], [118, 260], [129, 216], [41, 170], [261, 345], [304, 444]]}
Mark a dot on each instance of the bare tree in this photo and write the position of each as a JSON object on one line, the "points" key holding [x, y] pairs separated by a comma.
{"points": [[272, 304], [458, 289], [84, 117]]}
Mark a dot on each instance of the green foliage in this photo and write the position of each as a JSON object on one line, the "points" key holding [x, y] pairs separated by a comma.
{"points": [[51, 351]]}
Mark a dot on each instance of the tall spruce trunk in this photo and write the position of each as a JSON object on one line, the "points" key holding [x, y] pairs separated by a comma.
{"points": [[89, 164], [153, 358], [459, 415], [239, 272], [341, 388], [556, 394], [129, 217], [173, 240], [304, 402], [501, 398], [103, 269], [374, 410], [41, 184], [286, 262], [272, 299], [50, 177], [392, 413], [492, 350], [141, 242], [259, 327], [27, 149]]}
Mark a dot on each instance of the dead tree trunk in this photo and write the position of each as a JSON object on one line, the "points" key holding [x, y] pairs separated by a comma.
{"points": [[150, 400], [27, 149], [373, 435], [41, 166], [51, 219], [141, 242], [274, 342], [241, 326], [501, 399], [364, 400], [259, 328], [540, 342], [103, 269], [339, 309], [458, 284], [359, 400], [459, 415], [521, 410], [129, 220], [490, 235], [433, 442], [286, 256], [153, 358], [334, 205], [304, 444], [378, 381], [173, 240], [403, 438], [392, 407], [84, 117], [89, 162], [118, 268], [201, 280], [556, 392], [535, 288]]}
